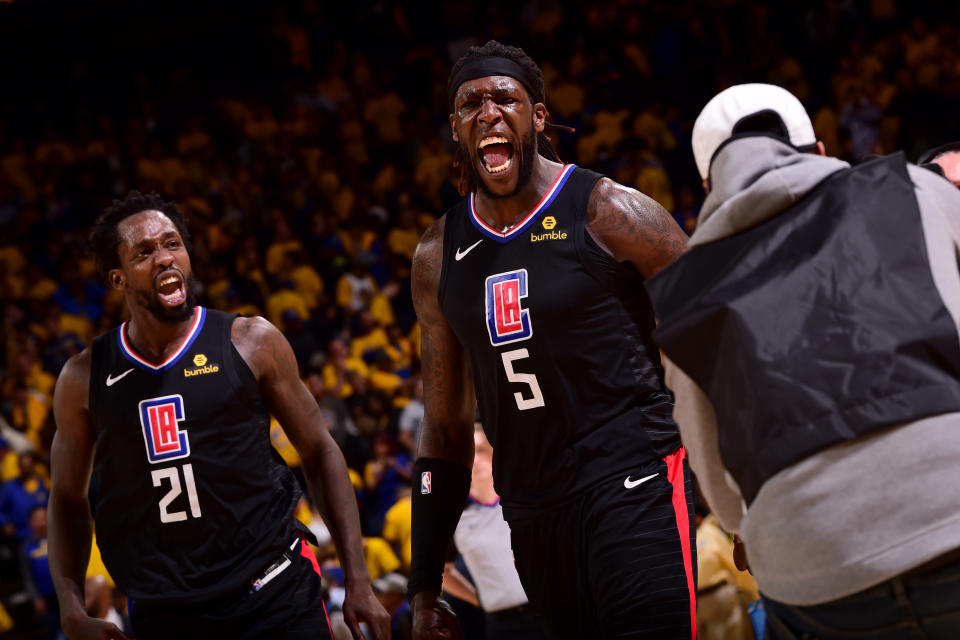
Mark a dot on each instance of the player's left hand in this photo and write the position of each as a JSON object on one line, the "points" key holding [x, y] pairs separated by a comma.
{"points": [[361, 604]]}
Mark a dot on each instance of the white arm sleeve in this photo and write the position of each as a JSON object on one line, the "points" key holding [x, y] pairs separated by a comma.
{"points": [[698, 429]]}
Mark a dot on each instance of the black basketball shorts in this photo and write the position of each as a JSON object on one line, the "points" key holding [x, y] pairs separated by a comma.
{"points": [[287, 606], [619, 561]]}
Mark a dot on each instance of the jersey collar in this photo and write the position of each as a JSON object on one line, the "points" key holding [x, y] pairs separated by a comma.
{"points": [[505, 236], [127, 349]]}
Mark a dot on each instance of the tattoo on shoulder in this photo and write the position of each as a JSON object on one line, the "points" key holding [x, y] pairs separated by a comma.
{"points": [[427, 262], [241, 336], [623, 217]]}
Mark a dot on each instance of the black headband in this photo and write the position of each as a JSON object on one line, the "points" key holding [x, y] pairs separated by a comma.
{"points": [[491, 66]]}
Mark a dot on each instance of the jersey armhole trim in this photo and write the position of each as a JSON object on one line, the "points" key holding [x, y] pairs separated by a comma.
{"points": [[444, 247], [581, 236], [98, 347], [237, 364]]}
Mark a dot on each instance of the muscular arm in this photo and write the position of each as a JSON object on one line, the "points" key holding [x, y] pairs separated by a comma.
{"points": [[271, 359], [633, 227], [70, 531], [447, 431], [446, 434]]}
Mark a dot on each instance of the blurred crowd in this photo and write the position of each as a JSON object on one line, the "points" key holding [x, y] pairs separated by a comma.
{"points": [[309, 147]]}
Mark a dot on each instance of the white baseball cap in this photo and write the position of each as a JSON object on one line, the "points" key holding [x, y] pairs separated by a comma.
{"points": [[716, 122]]}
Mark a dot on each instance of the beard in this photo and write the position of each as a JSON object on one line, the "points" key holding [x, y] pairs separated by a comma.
{"points": [[528, 149], [170, 315]]}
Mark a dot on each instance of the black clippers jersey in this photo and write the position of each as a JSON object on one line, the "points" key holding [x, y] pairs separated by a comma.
{"points": [[569, 384], [189, 498]]}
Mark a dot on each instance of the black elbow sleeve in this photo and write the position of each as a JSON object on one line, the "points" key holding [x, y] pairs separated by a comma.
{"points": [[440, 491]]}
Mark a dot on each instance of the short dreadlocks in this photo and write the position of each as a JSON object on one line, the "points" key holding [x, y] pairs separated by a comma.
{"points": [[533, 83], [104, 240]]}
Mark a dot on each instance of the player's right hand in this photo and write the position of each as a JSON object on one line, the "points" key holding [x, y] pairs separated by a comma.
{"points": [[87, 628], [433, 619]]}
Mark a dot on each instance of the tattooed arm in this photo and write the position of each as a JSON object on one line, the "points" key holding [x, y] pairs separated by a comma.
{"points": [[70, 532], [271, 359], [447, 430], [633, 227], [446, 434]]}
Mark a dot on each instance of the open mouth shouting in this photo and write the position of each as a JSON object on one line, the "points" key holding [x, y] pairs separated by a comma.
{"points": [[496, 154], [171, 288]]}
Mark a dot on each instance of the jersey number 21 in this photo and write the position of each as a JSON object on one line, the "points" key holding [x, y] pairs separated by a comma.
{"points": [[172, 475], [165, 440]]}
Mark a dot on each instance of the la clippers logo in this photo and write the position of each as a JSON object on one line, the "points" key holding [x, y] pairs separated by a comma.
{"points": [[507, 321], [159, 418]]}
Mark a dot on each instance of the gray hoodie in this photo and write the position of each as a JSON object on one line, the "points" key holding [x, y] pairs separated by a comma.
{"points": [[861, 512]]}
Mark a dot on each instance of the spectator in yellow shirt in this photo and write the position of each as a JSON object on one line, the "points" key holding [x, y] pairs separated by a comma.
{"points": [[381, 305], [280, 442], [251, 279], [339, 363], [382, 376], [306, 280], [379, 556], [283, 300], [403, 238], [396, 526], [369, 336], [9, 464], [356, 288], [283, 243]]}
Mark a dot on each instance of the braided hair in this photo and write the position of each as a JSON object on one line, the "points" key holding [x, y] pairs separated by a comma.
{"points": [[533, 82]]}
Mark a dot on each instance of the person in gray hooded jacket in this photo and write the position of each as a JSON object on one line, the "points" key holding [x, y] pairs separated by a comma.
{"points": [[812, 343]]}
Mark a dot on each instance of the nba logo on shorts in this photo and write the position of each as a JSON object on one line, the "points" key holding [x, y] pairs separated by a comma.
{"points": [[425, 484], [507, 321], [164, 439]]}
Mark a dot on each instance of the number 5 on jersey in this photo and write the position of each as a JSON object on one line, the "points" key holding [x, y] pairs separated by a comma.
{"points": [[508, 321], [160, 419], [529, 379]]}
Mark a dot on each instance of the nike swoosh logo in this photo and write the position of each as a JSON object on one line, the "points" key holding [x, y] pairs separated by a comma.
{"points": [[460, 254], [630, 484], [111, 379]]}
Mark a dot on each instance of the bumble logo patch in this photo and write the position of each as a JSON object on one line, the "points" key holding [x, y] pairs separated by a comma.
{"points": [[549, 235], [200, 360], [549, 222]]}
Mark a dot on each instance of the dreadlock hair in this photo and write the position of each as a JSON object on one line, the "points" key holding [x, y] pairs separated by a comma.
{"points": [[533, 83], [103, 239]]}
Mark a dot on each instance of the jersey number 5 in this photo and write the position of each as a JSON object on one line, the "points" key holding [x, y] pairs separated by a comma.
{"points": [[529, 379], [172, 474]]}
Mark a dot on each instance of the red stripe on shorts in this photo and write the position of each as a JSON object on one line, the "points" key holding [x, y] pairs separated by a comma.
{"points": [[675, 476], [308, 553]]}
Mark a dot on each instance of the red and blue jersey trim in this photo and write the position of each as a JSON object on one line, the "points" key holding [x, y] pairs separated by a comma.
{"points": [[124, 343], [504, 237]]}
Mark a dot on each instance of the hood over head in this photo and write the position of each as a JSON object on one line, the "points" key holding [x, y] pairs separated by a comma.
{"points": [[753, 179]]}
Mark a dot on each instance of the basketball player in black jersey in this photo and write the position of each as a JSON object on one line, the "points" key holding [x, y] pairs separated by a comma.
{"points": [[529, 293], [165, 419]]}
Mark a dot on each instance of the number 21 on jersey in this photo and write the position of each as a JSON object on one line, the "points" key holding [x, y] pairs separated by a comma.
{"points": [[165, 441], [508, 321]]}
